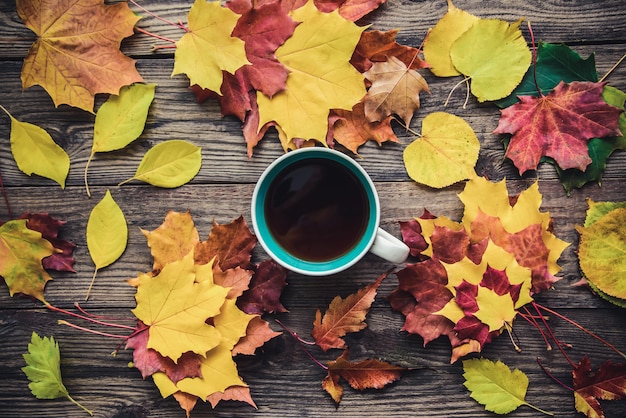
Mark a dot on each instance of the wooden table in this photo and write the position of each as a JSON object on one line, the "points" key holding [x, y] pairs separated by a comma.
{"points": [[283, 381]]}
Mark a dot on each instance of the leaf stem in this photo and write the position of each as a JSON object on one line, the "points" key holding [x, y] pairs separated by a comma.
{"points": [[302, 343], [612, 68], [4, 193], [87, 318], [154, 15], [580, 327], [86, 169], [531, 319], [93, 279], [154, 35], [551, 376], [465, 80], [91, 331], [78, 403], [551, 334], [532, 41]]}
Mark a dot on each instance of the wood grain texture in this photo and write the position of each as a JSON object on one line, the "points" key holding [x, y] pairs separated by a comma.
{"points": [[283, 380]]}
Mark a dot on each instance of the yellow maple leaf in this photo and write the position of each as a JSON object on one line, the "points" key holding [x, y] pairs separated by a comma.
{"points": [[73, 58], [321, 76], [494, 310], [218, 371], [175, 308], [207, 48]]}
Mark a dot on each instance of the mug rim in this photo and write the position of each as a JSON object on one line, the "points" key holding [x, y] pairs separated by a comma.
{"points": [[287, 260]]}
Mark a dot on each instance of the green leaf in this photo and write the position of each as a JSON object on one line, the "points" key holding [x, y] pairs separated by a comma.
{"points": [[35, 151], [445, 153], [43, 369], [107, 234], [555, 63], [482, 52], [169, 164], [494, 385]]}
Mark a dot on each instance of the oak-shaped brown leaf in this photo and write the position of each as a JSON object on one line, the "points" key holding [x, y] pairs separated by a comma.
{"points": [[558, 125], [49, 228], [608, 383], [231, 244], [378, 46], [360, 375], [77, 51], [344, 316], [351, 129], [395, 90], [266, 286]]}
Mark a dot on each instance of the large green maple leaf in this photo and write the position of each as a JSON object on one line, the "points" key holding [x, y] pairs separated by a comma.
{"points": [[558, 125], [321, 77]]}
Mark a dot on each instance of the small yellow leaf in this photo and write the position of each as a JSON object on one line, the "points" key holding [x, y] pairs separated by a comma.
{"points": [[169, 164], [440, 38], [445, 153], [208, 48], [494, 310], [121, 119], [35, 152], [484, 50], [231, 322], [107, 234]]}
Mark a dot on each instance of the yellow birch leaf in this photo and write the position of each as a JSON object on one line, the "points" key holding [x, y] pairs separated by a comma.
{"points": [[107, 234], [208, 48], [169, 164], [446, 152], [439, 40], [35, 151], [321, 77], [482, 52], [175, 308], [121, 119]]}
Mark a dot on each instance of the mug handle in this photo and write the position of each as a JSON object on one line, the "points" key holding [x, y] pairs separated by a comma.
{"points": [[389, 247]]}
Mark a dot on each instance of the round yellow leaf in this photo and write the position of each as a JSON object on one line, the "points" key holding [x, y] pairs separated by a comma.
{"points": [[446, 152]]}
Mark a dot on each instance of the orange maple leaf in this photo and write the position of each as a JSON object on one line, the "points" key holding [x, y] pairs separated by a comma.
{"points": [[344, 316], [395, 89], [76, 54]]}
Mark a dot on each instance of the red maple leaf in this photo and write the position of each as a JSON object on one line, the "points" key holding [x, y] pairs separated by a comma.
{"points": [[266, 286], [558, 125], [49, 228], [608, 383]]}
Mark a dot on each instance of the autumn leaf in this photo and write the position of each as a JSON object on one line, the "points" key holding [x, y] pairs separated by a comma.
{"points": [[35, 152], [43, 369], [169, 164], [360, 375], [608, 383], [208, 48], [173, 239], [378, 46], [444, 154], [581, 114], [263, 27], [75, 59], [483, 50], [257, 334], [21, 254], [494, 385], [107, 234], [439, 41], [395, 90], [351, 128], [344, 316], [349, 9], [62, 259], [266, 286], [231, 243], [317, 54], [602, 252]]}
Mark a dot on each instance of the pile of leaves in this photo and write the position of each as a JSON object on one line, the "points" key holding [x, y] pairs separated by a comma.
{"points": [[477, 273]]}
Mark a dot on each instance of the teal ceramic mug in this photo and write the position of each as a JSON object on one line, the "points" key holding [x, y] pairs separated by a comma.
{"points": [[316, 211]]}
